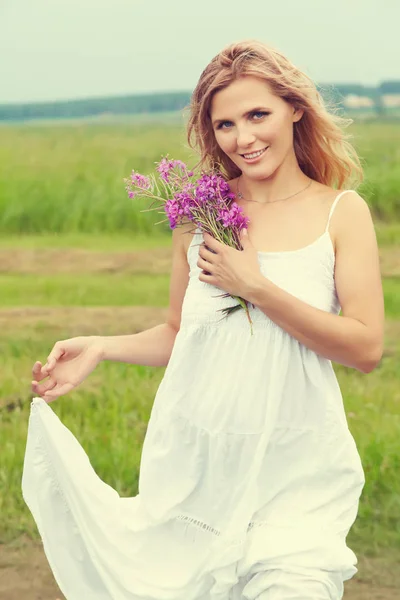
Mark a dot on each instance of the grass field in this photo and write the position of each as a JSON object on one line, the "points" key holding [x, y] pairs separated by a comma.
{"points": [[69, 178], [77, 259]]}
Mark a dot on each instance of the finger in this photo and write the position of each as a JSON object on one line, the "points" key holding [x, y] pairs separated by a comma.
{"points": [[206, 253], [39, 372], [207, 277], [36, 369], [203, 264], [54, 356], [209, 248], [44, 387], [213, 244], [40, 389], [58, 391]]}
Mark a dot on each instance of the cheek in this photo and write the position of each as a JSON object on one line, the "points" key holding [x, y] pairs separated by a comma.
{"points": [[227, 144], [280, 133], [225, 141], [271, 133]]}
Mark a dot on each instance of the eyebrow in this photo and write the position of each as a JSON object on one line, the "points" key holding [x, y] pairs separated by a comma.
{"points": [[246, 114]]}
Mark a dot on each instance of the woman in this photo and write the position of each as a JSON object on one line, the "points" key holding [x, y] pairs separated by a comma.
{"points": [[249, 477]]}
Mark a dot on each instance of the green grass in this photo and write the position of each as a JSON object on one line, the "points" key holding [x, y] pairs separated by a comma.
{"points": [[379, 147], [391, 290], [111, 289], [387, 233], [69, 178], [372, 406], [113, 242], [116, 289]]}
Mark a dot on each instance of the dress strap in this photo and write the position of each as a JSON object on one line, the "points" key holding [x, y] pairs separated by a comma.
{"points": [[334, 205]]}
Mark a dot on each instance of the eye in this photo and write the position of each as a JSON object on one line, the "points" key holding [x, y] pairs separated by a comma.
{"points": [[258, 113], [220, 126], [263, 113]]}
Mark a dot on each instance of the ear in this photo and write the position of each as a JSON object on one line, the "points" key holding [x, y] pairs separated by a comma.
{"points": [[297, 114]]}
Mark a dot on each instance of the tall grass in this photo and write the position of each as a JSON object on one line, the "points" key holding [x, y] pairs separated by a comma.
{"points": [[378, 144], [69, 178]]}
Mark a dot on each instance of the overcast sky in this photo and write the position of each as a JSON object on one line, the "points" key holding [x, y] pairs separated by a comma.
{"points": [[60, 49]]}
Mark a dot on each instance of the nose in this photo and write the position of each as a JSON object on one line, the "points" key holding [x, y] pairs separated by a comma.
{"points": [[244, 137]]}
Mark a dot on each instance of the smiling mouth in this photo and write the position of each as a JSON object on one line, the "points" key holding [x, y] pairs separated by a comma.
{"points": [[255, 154]]}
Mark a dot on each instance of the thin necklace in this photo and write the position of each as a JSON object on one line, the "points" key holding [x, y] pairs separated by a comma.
{"points": [[240, 195]]}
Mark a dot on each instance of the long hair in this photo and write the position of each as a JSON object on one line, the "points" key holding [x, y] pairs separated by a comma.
{"points": [[320, 143]]}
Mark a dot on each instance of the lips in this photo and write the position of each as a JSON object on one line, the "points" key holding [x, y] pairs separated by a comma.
{"points": [[254, 154]]}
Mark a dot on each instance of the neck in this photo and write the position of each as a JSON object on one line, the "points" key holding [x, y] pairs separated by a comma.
{"points": [[286, 180]]}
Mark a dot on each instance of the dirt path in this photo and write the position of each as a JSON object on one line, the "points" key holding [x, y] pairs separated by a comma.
{"points": [[25, 575], [157, 261]]}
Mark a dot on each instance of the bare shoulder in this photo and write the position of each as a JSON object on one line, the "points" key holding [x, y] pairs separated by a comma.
{"points": [[351, 203], [183, 234], [349, 199], [351, 218], [179, 273]]}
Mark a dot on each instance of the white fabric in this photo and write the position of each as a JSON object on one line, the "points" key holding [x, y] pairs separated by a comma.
{"points": [[249, 477]]}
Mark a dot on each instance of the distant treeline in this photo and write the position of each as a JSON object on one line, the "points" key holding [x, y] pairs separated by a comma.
{"points": [[165, 102]]}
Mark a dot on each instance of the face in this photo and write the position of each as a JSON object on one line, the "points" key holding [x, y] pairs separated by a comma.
{"points": [[248, 118]]}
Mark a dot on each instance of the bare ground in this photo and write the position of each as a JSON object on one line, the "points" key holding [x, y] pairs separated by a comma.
{"points": [[76, 320], [157, 260], [25, 575], [42, 261]]}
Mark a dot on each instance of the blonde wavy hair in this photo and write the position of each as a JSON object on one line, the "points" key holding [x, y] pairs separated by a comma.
{"points": [[320, 143]]}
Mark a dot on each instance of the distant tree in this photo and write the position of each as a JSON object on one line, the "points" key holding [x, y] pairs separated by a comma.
{"points": [[333, 93], [161, 102], [390, 87]]}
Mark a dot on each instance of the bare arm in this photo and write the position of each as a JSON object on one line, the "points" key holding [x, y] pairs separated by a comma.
{"points": [[355, 338], [153, 347]]}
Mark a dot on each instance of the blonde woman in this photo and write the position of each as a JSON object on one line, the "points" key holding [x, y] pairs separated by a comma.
{"points": [[249, 478]]}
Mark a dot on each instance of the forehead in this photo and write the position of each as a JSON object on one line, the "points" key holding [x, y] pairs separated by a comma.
{"points": [[241, 95]]}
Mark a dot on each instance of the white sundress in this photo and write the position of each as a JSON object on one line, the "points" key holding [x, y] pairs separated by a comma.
{"points": [[249, 477]]}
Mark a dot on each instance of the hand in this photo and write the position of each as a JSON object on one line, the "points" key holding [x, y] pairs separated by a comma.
{"points": [[234, 271], [68, 364]]}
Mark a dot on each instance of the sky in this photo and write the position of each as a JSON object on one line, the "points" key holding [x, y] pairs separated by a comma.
{"points": [[65, 49]]}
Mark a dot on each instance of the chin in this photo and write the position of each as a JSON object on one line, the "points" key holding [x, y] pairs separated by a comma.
{"points": [[260, 174]]}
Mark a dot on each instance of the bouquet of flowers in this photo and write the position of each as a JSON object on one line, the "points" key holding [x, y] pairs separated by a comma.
{"points": [[204, 199]]}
